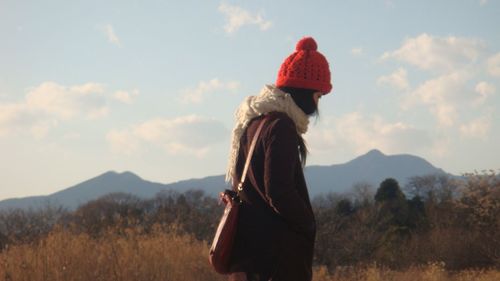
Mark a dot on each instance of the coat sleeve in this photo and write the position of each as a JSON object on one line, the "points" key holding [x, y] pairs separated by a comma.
{"points": [[280, 164]]}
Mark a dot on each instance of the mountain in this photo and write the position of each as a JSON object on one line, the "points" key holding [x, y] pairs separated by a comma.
{"points": [[372, 167], [109, 182]]}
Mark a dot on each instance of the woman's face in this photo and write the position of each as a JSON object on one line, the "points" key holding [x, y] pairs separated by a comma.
{"points": [[317, 96]]}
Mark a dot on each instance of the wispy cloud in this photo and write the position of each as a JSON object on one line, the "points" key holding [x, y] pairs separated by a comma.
{"points": [[358, 51], [205, 88], [483, 2], [437, 54], [111, 35], [122, 141], [454, 63], [189, 135], [448, 97], [236, 17], [71, 136], [485, 90], [477, 128], [48, 104], [493, 65], [68, 102], [359, 133], [441, 95], [389, 3], [397, 80], [17, 118], [126, 96]]}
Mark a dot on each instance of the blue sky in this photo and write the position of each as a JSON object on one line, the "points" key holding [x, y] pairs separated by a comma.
{"points": [[151, 86]]}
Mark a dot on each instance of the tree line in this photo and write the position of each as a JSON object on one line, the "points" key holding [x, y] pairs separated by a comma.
{"points": [[433, 218]]}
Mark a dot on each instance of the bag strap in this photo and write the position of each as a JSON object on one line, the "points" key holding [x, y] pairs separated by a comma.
{"points": [[249, 158]]}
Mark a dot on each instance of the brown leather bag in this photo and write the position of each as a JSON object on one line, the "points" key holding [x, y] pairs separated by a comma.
{"points": [[222, 245]]}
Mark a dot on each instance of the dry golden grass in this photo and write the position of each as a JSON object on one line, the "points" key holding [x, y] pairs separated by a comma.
{"points": [[431, 272], [166, 255], [63, 256]]}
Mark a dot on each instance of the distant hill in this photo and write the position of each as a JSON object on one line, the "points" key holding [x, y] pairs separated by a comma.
{"points": [[372, 167], [72, 197]]}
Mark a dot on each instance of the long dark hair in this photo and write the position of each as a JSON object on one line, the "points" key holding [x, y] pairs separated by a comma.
{"points": [[304, 99]]}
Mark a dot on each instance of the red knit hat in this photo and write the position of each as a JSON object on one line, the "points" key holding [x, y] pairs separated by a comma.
{"points": [[306, 68]]}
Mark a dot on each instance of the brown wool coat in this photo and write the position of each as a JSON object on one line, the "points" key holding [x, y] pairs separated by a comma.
{"points": [[274, 237]]}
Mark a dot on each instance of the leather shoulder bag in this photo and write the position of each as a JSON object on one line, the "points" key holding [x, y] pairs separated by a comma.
{"points": [[222, 245]]}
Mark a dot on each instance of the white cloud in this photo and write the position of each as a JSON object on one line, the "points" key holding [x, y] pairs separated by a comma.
{"points": [[397, 80], [322, 139], [18, 118], [441, 147], [236, 17], [126, 96], [493, 65], [67, 102], [485, 90], [122, 141], [97, 113], [48, 104], [454, 63], [112, 37], [190, 135], [357, 51], [204, 88], [437, 53], [389, 3], [477, 128], [448, 97], [483, 2], [442, 95], [360, 133], [71, 136]]}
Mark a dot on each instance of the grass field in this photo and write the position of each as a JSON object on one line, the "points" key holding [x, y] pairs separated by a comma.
{"points": [[165, 255]]}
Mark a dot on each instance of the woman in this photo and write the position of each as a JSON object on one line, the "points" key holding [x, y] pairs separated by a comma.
{"points": [[276, 226]]}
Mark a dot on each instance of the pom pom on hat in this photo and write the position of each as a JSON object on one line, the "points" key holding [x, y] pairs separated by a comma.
{"points": [[306, 44], [305, 68]]}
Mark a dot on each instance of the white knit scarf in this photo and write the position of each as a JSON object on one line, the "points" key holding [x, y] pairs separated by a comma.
{"points": [[270, 99]]}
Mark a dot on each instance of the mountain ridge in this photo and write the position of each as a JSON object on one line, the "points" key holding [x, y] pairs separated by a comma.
{"points": [[371, 167]]}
